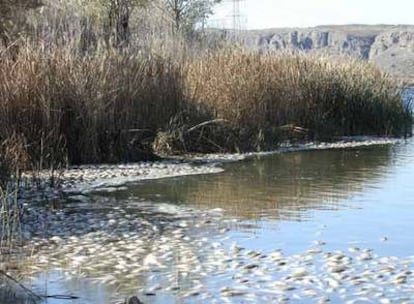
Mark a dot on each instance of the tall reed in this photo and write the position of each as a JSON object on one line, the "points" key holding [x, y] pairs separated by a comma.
{"points": [[260, 94], [11, 212], [108, 106], [96, 108]]}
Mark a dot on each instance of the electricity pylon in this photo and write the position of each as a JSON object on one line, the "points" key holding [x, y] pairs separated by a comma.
{"points": [[238, 19]]}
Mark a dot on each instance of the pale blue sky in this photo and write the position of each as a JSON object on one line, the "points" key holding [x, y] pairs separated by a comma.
{"points": [[303, 13]]}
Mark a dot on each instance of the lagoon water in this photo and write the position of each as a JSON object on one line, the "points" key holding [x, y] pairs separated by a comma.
{"points": [[334, 201]]}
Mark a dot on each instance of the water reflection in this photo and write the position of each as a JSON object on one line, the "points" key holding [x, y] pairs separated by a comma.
{"points": [[281, 186], [278, 202]]}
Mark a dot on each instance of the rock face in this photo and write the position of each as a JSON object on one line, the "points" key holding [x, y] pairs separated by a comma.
{"points": [[317, 40], [391, 47]]}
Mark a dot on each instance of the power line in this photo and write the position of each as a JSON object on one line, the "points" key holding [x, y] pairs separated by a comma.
{"points": [[237, 17], [234, 20]]}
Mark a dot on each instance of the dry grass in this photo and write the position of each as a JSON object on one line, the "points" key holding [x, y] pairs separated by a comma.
{"points": [[261, 94], [108, 107], [68, 96], [94, 108]]}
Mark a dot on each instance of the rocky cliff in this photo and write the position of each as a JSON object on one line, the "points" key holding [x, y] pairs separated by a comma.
{"points": [[391, 47]]}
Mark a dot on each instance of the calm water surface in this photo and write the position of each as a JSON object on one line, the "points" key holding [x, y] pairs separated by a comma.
{"points": [[353, 197], [343, 197]]}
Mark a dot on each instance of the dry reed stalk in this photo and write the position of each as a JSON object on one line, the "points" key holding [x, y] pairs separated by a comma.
{"points": [[83, 104], [258, 93]]}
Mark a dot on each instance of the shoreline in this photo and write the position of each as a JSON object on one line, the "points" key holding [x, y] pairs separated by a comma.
{"points": [[77, 182]]}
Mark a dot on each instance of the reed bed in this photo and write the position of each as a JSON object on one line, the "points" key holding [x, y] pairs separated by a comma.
{"points": [[110, 106], [269, 97], [70, 94], [98, 108]]}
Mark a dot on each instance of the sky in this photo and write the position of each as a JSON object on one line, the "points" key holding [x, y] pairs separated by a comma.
{"points": [[259, 14]]}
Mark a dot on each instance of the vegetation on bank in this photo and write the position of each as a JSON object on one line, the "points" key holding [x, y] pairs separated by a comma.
{"points": [[59, 106], [266, 98], [76, 87]]}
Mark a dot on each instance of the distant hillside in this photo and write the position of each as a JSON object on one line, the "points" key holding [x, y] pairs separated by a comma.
{"points": [[389, 46]]}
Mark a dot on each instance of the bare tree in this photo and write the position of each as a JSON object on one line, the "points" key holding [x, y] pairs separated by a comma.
{"points": [[189, 14]]}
